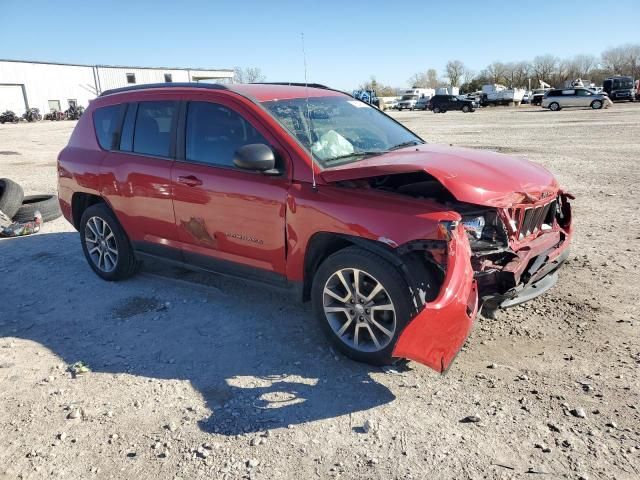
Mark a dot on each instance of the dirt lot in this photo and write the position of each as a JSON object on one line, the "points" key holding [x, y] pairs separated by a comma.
{"points": [[203, 377]]}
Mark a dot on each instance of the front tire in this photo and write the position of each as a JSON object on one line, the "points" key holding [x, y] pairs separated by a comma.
{"points": [[105, 244], [466, 109], [596, 104], [436, 109], [362, 304]]}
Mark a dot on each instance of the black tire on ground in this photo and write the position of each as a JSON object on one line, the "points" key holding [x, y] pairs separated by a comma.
{"points": [[11, 197], [596, 104], [554, 106], [374, 267], [126, 263], [47, 205], [466, 109], [436, 109]]}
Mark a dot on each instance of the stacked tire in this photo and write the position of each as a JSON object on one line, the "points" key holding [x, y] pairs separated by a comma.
{"points": [[20, 208]]}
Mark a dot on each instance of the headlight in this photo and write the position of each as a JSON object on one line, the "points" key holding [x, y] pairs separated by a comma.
{"points": [[474, 226]]}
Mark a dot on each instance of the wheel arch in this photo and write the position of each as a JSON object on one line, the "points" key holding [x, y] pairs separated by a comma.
{"points": [[80, 201], [413, 260]]}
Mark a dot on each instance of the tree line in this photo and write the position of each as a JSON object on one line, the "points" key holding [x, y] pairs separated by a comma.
{"points": [[620, 60]]}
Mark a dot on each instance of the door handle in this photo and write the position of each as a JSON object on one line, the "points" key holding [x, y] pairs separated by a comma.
{"points": [[190, 181]]}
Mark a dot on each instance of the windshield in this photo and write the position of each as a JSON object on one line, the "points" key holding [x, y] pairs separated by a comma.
{"points": [[342, 130], [409, 97], [623, 83]]}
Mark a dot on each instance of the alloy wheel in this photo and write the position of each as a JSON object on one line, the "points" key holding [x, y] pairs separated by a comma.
{"points": [[359, 310], [101, 244]]}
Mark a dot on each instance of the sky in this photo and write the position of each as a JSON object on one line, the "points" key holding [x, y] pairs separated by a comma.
{"points": [[345, 42]]}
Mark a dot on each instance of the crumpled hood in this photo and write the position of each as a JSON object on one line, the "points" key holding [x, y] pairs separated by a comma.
{"points": [[473, 176]]}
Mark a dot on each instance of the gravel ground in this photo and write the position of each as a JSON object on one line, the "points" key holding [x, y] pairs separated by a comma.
{"points": [[197, 376]]}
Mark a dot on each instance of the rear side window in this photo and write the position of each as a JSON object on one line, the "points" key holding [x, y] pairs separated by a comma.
{"points": [[153, 127], [106, 123], [215, 132]]}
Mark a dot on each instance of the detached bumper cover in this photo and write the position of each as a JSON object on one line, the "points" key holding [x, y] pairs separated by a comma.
{"points": [[437, 333]]}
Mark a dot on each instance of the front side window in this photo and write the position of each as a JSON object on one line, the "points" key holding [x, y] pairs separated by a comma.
{"points": [[153, 127], [339, 129], [583, 93], [105, 122], [214, 133]]}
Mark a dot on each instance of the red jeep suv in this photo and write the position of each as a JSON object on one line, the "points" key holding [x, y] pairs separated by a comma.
{"points": [[394, 241]]}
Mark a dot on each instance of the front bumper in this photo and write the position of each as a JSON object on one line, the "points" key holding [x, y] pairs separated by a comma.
{"points": [[437, 333]]}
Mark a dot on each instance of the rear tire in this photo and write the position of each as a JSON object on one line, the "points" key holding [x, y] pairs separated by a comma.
{"points": [[106, 245], [554, 106], [11, 197], [436, 110], [383, 315], [466, 109]]}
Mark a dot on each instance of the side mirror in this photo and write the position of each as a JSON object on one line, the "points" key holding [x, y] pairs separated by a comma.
{"points": [[256, 156]]}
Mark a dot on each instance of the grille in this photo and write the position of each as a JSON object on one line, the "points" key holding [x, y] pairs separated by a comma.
{"points": [[530, 220]]}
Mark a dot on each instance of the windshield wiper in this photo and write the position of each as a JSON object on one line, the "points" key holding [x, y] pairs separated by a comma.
{"points": [[404, 144], [354, 154]]}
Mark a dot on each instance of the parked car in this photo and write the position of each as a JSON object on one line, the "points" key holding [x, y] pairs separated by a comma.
{"points": [[526, 98], [444, 103], [395, 242], [537, 95], [557, 99], [422, 103], [390, 104], [407, 101]]}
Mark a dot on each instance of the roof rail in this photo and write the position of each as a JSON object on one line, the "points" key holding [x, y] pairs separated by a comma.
{"points": [[143, 86], [295, 84]]}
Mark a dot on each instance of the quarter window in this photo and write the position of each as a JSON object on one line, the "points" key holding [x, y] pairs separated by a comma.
{"points": [[215, 132], [154, 123], [131, 78], [168, 78], [105, 122]]}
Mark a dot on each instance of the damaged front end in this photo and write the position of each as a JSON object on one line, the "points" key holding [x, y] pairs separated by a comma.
{"points": [[436, 334], [516, 259], [501, 253]]}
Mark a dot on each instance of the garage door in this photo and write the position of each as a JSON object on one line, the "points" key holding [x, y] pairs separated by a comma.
{"points": [[11, 99]]}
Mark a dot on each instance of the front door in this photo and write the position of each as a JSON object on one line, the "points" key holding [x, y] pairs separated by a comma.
{"points": [[228, 219], [583, 97]]}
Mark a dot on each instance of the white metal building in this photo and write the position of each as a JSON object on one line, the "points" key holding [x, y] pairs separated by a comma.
{"points": [[56, 86]]}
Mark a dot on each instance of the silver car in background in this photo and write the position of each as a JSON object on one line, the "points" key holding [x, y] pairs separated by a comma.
{"points": [[555, 99]]}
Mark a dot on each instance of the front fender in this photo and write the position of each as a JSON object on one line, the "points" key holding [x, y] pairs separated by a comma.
{"points": [[436, 334]]}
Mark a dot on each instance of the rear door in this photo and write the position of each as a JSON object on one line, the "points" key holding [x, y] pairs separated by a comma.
{"points": [[137, 175], [569, 98], [228, 219]]}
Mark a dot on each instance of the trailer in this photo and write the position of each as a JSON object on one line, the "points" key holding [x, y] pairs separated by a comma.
{"points": [[497, 94]]}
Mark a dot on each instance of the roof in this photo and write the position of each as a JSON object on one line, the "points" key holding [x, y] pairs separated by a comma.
{"points": [[261, 92], [119, 66]]}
